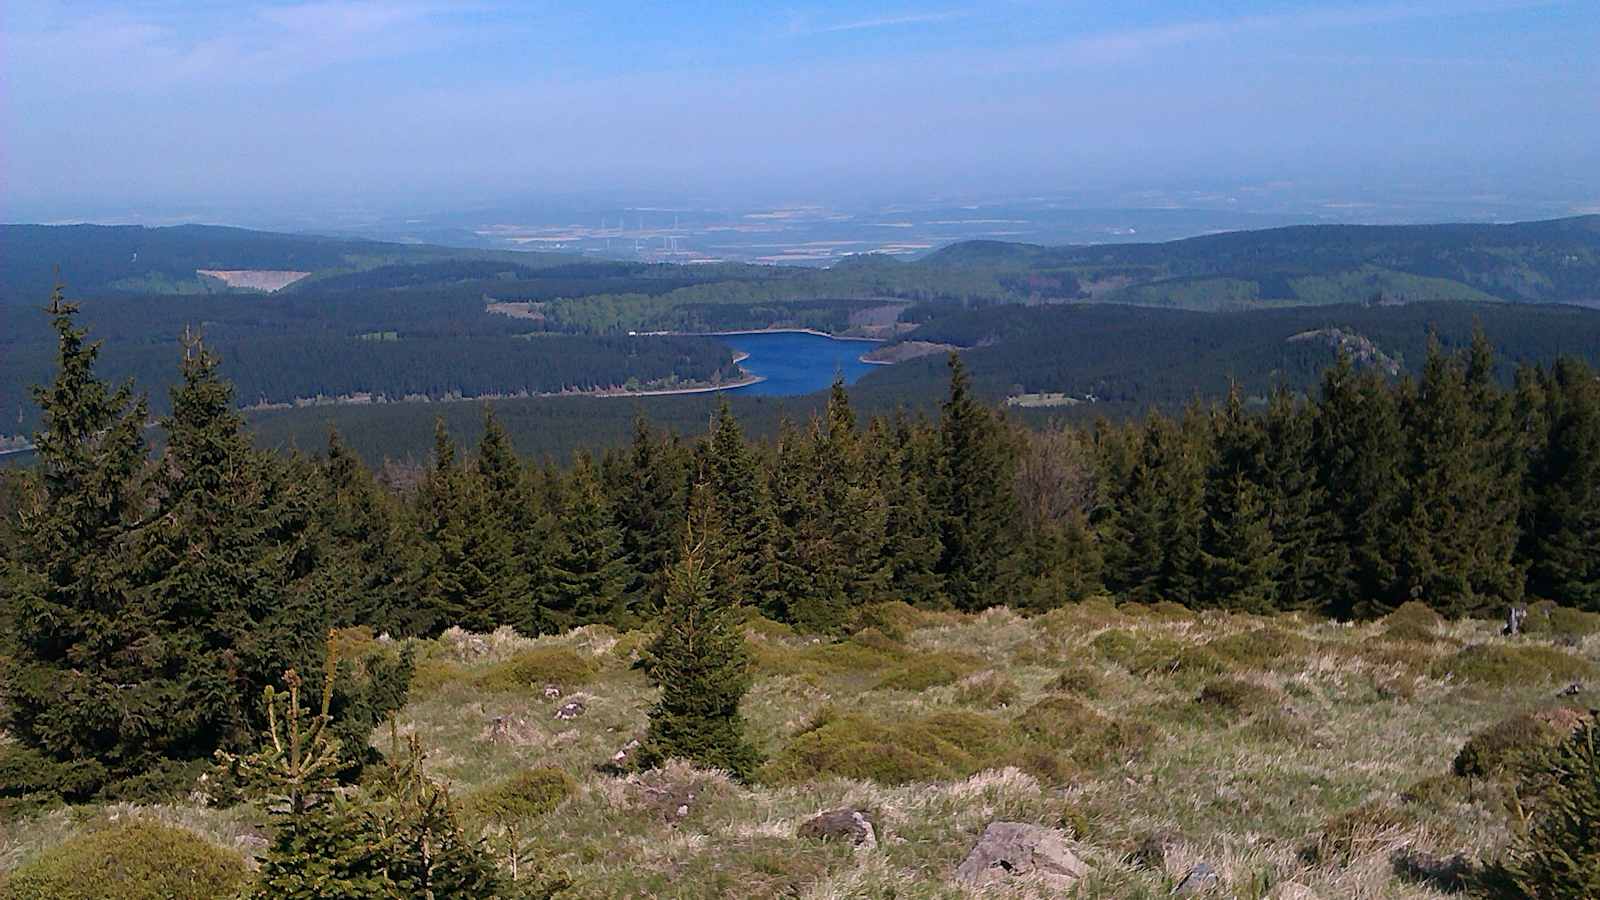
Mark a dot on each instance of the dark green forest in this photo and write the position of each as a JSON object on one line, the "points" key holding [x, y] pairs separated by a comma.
{"points": [[220, 563], [437, 311]]}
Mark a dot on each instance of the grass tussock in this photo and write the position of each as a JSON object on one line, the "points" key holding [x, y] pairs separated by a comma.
{"points": [[525, 795], [1502, 664], [533, 669]]}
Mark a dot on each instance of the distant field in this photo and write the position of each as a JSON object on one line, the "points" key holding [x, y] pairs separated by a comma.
{"points": [[254, 279]]}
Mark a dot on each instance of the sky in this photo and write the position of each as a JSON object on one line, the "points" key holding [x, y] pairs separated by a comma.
{"points": [[112, 111]]}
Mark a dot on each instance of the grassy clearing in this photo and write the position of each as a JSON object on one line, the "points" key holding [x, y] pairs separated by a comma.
{"points": [[1353, 760]]}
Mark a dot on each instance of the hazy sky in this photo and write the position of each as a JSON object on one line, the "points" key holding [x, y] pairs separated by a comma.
{"points": [[107, 109]]}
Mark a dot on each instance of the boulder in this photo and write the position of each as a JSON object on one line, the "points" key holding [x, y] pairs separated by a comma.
{"points": [[852, 825], [1017, 849], [571, 709], [552, 692], [1199, 879]]}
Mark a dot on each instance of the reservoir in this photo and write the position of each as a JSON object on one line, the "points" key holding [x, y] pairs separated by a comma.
{"points": [[796, 362]]}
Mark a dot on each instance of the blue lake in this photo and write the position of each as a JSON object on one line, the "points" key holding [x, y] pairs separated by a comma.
{"points": [[797, 363]]}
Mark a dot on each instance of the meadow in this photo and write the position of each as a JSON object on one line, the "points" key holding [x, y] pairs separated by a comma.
{"points": [[1293, 755]]}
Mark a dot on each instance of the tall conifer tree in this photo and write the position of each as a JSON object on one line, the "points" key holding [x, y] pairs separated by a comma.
{"points": [[69, 586], [225, 560], [587, 569], [699, 659], [975, 500]]}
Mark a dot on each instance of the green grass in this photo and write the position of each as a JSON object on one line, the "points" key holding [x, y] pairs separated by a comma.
{"points": [[1277, 749]]}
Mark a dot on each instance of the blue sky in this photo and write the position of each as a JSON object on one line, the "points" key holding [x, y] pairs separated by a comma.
{"points": [[432, 105]]}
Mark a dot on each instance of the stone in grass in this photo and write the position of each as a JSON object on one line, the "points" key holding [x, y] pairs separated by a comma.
{"points": [[571, 709], [853, 825], [1017, 849], [1198, 880]]}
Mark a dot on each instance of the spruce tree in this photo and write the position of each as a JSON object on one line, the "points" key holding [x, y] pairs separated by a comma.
{"points": [[739, 488], [587, 569], [1564, 520], [699, 659], [1295, 507], [1460, 523], [975, 500], [366, 568], [1240, 558], [467, 577], [70, 688], [650, 511], [841, 522], [224, 562], [903, 466], [1239, 554], [1359, 448], [795, 595]]}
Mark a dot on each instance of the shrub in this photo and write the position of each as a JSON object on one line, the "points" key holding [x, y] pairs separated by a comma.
{"points": [[1559, 856], [1414, 612], [1546, 618], [536, 668], [893, 617], [131, 861], [928, 670], [1507, 745], [522, 796], [1501, 665], [1263, 648], [1237, 697], [1409, 632], [433, 673]]}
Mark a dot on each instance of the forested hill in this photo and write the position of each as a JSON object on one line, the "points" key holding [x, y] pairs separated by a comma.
{"points": [[1554, 261], [133, 258]]}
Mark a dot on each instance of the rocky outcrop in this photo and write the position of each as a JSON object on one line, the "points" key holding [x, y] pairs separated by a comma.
{"points": [[1010, 850]]}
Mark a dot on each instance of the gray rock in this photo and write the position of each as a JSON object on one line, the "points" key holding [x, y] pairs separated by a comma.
{"points": [[552, 692], [1199, 879], [571, 709], [1017, 849], [852, 825]]}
